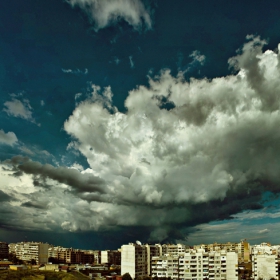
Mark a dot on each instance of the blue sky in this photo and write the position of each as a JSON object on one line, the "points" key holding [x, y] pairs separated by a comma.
{"points": [[126, 120]]}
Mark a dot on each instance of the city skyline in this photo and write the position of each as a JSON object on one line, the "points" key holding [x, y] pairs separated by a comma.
{"points": [[126, 120]]}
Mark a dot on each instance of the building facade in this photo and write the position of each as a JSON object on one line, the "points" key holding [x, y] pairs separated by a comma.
{"points": [[4, 250], [197, 264], [111, 257], [264, 266], [74, 256], [28, 251], [134, 260], [165, 266], [173, 249]]}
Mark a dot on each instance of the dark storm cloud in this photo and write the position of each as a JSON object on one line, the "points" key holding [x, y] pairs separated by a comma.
{"points": [[4, 197], [33, 204], [72, 177]]}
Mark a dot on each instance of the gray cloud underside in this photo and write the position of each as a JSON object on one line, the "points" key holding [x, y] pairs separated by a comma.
{"points": [[211, 156], [72, 177], [105, 13]]}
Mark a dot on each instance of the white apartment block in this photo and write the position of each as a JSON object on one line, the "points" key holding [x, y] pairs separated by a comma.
{"points": [[27, 251], [173, 249], [264, 266], [105, 256], [197, 264], [165, 266], [263, 248], [134, 260]]}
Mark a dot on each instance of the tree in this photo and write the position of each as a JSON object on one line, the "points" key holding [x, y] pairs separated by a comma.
{"points": [[53, 260], [12, 258], [126, 276]]}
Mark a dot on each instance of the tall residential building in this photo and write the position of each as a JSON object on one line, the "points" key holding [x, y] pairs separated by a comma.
{"points": [[4, 250], [197, 264], [244, 251], [134, 260], [152, 251], [264, 266], [27, 251]]}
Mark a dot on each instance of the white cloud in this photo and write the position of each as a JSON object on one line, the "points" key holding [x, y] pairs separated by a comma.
{"points": [[196, 152], [19, 109], [131, 62], [234, 231], [117, 61], [262, 231], [75, 72], [198, 57], [257, 215], [105, 13], [25, 150], [207, 157], [189, 148], [8, 138]]}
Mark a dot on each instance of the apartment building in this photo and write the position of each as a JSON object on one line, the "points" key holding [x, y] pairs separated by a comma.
{"points": [[264, 266], [197, 264], [242, 248], [12, 248], [4, 250], [27, 251], [72, 256], [134, 260], [263, 248], [91, 256], [229, 247], [212, 265], [173, 249], [111, 257], [152, 251], [165, 266]]}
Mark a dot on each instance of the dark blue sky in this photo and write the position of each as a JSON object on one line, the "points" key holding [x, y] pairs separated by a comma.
{"points": [[116, 111]]}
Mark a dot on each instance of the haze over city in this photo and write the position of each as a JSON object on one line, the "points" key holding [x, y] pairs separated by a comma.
{"points": [[125, 120]]}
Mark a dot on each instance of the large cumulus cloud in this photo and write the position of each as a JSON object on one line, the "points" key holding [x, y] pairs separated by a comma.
{"points": [[220, 138], [182, 154]]}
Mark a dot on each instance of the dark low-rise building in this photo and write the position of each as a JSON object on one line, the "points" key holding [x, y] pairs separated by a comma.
{"points": [[4, 250]]}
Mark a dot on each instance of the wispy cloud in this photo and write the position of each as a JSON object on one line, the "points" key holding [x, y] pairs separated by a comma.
{"points": [[198, 57], [19, 109], [117, 61], [104, 13], [131, 62], [75, 72], [262, 231]]}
